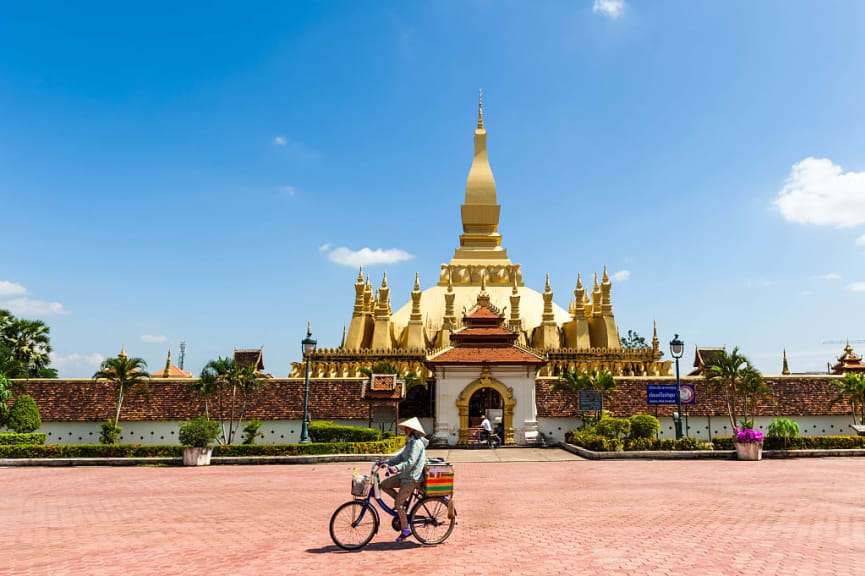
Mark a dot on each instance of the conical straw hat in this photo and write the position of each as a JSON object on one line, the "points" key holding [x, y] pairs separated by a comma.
{"points": [[412, 424]]}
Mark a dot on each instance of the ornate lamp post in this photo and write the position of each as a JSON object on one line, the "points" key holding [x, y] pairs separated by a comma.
{"points": [[677, 349], [308, 347]]}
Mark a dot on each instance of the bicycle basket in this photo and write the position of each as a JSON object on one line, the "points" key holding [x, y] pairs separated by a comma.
{"points": [[360, 486], [438, 479]]}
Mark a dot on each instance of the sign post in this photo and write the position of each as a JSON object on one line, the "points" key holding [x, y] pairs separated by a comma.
{"points": [[591, 400]]}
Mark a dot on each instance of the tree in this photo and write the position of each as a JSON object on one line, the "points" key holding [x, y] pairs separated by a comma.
{"points": [[205, 388], [230, 386], [852, 391], [753, 388], [725, 372], [127, 375], [5, 396], [634, 340], [27, 343], [24, 417]]}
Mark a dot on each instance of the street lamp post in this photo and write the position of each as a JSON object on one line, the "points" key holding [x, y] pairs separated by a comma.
{"points": [[677, 349], [308, 347]]}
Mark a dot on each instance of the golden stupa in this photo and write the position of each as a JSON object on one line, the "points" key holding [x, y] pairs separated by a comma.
{"points": [[584, 337]]}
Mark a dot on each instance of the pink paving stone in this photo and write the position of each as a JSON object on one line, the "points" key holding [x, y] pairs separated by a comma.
{"points": [[576, 517]]}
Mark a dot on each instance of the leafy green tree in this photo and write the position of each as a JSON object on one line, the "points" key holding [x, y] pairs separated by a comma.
{"points": [[5, 396], [10, 366], [752, 388], [251, 431], [230, 386], [128, 375], [783, 428], [24, 417], [851, 390], [27, 343], [725, 372], [574, 381], [634, 340]]}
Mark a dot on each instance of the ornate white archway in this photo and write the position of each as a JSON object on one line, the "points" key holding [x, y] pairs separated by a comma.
{"points": [[486, 381]]}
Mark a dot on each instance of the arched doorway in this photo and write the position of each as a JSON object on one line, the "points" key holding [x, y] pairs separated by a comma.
{"points": [[489, 390], [485, 401]]}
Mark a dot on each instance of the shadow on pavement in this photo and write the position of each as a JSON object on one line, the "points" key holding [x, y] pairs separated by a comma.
{"points": [[370, 546]]}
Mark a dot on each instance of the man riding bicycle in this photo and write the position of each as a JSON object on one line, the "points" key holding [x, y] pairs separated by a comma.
{"points": [[487, 428], [406, 469]]}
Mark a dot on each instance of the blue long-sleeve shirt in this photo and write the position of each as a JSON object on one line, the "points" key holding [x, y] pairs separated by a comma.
{"points": [[411, 459]]}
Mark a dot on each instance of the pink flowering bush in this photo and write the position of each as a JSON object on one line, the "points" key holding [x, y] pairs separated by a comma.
{"points": [[747, 435]]}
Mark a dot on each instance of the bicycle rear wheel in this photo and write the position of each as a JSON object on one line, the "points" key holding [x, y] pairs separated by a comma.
{"points": [[347, 532], [429, 521]]}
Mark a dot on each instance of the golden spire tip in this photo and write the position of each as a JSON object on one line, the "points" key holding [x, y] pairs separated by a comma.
{"points": [[480, 109], [308, 330]]}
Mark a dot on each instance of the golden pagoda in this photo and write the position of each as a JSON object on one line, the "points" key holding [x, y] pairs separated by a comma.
{"points": [[583, 337]]}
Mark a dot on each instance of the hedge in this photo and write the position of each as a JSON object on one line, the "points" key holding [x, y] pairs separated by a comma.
{"points": [[154, 451], [8, 439], [798, 443], [596, 443], [324, 431]]}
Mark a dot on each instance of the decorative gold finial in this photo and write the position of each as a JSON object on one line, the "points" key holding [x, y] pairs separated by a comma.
{"points": [[122, 352], [167, 364], [308, 330], [384, 280], [606, 278], [342, 345], [360, 276], [416, 281], [368, 283], [596, 288], [547, 286], [655, 330], [480, 109], [785, 368], [450, 281], [483, 280], [579, 282], [514, 284]]}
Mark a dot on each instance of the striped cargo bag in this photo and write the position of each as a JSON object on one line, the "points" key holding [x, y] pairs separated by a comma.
{"points": [[438, 479]]}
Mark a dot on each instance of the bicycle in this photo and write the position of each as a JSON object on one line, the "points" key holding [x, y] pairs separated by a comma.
{"points": [[354, 524]]}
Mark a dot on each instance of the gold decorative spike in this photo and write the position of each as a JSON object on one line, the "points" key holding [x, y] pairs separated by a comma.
{"points": [[384, 280], [450, 281], [167, 364], [480, 109], [360, 276], [547, 285], [655, 342], [579, 282], [785, 368], [483, 280], [342, 344], [416, 281], [308, 329], [596, 288], [606, 278], [514, 283], [122, 352]]}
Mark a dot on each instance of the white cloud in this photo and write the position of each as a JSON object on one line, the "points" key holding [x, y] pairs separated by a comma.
{"points": [[612, 8], [76, 365], [324, 247], [30, 307], [622, 275], [366, 256], [805, 293], [288, 190], [11, 288], [861, 240], [829, 276], [151, 339], [819, 192], [279, 141], [856, 287]]}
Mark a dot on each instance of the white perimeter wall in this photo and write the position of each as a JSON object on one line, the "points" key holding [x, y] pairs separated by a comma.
{"points": [[698, 426]]}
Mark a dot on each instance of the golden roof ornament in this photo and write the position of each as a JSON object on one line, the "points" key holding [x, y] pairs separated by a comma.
{"points": [[122, 352]]}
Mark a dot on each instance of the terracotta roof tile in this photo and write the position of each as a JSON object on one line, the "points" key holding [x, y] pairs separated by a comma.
{"points": [[173, 372], [485, 355], [483, 313]]}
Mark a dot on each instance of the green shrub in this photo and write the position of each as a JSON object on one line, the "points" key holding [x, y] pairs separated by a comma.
{"points": [[644, 426], [24, 415], [798, 443], [110, 433], [324, 431], [783, 428], [32, 438], [198, 432], [590, 441], [251, 431], [616, 428], [145, 451]]}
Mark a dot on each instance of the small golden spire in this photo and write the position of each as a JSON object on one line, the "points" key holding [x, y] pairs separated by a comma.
{"points": [[308, 330], [368, 283], [167, 364], [480, 109], [384, 280], [360, 276], [785, 368], [483, 280], [416, 281], [547, 286], [342, 344], [122, 352], [596, 288], [606, 279], [450, 281], [655, 330], [514, 289], [579, 282]]}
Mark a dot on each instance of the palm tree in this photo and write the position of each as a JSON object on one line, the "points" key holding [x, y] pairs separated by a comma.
{"points": [[726, 372], [204, 387], [127, 375], [28, 340], [10, 366], [852, 390], [232, 384], [752, 388], [574, 381]]}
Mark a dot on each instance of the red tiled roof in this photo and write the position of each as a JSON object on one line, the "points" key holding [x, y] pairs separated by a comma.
{"points": [[488, 354], [483, 313], [89, 401], [173, 372], [485, 331]]}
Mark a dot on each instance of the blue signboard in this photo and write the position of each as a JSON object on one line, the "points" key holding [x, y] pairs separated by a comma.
{"points": [[660, 394], [665, 394]]}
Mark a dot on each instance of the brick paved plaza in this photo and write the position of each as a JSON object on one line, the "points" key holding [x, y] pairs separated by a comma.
{"points": [[552, 517]]}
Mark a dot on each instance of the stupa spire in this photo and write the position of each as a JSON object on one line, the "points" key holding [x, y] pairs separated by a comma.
{"points": [[167, 364], [785, 369], [480, 109], [122, 352]]}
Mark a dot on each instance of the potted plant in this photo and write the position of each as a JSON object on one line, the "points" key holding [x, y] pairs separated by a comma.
{"points": [[749, 444], [196, 436]]}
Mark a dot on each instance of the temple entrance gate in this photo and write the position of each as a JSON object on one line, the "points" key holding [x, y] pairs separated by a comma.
{"points": [[477, 395]]}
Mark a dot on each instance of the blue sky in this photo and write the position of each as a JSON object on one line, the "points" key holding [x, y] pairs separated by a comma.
{"points": [[171, 172]]}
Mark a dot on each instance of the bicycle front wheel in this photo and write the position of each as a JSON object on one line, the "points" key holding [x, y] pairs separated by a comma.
{"points": [[352, 527], [429, 521]]}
